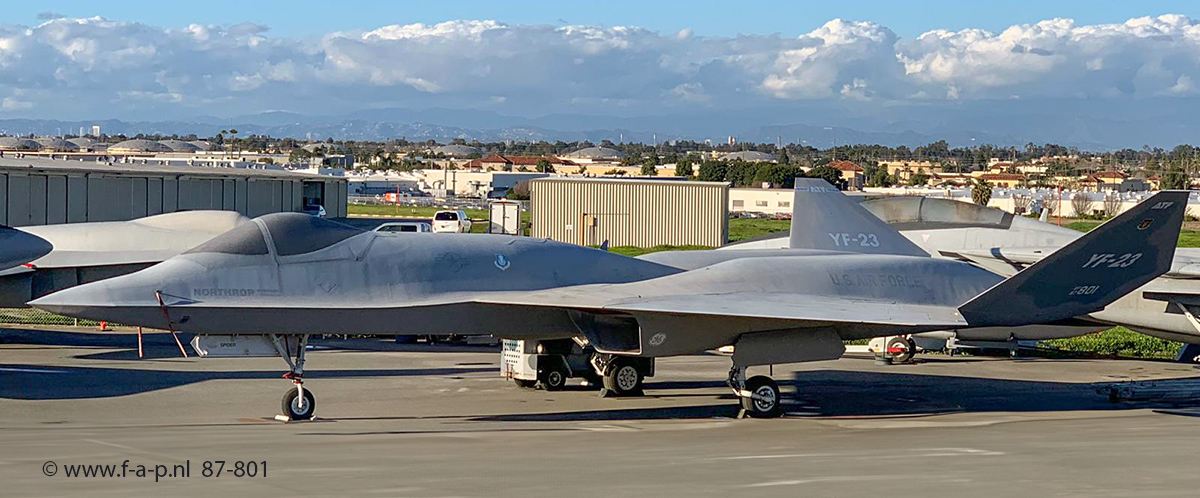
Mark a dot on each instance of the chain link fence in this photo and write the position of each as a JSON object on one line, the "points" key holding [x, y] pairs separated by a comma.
{"points": [[33, 316]]}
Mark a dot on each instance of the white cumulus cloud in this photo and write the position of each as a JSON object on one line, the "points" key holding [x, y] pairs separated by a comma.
{"points": [[97, 67]]}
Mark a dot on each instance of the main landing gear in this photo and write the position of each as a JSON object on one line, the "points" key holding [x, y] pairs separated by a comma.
{"points": [[759, 394], [298, 403], [620, 375], [892, 350]]}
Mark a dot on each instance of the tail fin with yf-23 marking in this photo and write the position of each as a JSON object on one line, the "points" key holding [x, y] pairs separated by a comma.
{"points": [[824, 218], [1086, 275]]}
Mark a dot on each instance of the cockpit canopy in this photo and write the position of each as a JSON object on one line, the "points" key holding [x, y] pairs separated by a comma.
{"points": [[291, 233], [910, 212], [295, 233], [245, 239]]}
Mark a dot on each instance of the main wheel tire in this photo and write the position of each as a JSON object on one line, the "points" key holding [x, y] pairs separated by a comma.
{"points": [[768, 404], [292, 406], [553, 378], [907, 345], [525, 384], [623, 378]]}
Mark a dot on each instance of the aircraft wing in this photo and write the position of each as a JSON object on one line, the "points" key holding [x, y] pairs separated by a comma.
{"points": [[681, 323], [1008, 260], [1019, 255], [79, 259], [16, 270]]}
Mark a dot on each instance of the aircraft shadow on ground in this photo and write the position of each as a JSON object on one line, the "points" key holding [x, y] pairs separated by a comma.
{"points": [[838, 393], [719, 410], [162, 345], [830, 393], [38, 382]]}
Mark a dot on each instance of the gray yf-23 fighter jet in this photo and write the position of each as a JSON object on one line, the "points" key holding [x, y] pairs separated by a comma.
{"points": [[286, 276]]}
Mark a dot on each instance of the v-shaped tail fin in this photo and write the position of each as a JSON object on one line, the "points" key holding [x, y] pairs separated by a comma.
{"points": [[1088, 274], [824, 218]]}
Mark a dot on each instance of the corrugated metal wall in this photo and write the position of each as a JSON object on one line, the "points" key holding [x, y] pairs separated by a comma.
{"points": [[642, 213], [42, 197]]}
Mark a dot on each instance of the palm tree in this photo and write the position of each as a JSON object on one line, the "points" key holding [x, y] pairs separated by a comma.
{"points": [[981, 192], [233, 136]]}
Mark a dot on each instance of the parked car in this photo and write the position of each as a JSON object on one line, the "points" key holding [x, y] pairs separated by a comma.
{"points": [[406, 226], [315, 210], [454, 221]]}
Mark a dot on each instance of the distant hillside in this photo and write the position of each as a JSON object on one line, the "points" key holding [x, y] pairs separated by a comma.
{"points": [[1156, 122]]}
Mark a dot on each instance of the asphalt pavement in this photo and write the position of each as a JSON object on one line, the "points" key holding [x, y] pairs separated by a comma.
{"points": [[421, 420]]}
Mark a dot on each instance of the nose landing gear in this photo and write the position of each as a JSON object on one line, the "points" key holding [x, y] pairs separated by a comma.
{"points": [[298, 403]]}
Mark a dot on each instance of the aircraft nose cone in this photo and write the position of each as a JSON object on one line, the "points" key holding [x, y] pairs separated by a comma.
{"points": [[127, 299], [82, 301], [18, 248]]}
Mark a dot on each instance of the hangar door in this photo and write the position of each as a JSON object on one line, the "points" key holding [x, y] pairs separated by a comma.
{"points": [[314, 193]]}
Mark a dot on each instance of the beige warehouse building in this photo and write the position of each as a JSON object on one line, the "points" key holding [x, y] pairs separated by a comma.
{"points": [[634, 212], [40, 191]]}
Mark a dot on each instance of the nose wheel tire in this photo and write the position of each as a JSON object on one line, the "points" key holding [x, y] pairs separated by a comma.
{"points": [[765, 401], [298, 408]]}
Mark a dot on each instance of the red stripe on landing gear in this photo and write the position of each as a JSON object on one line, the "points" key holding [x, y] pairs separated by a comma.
{"points": [[897, 350]]}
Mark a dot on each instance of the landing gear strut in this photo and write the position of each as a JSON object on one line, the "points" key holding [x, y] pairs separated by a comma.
{"points": [[759, 394], [298, 403]]}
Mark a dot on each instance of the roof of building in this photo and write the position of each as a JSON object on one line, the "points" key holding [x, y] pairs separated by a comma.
{"points": [[609, 179], [596, 153], [749, 155], [17, 143], [60, 166], [55, 144], [518, 160], [329, 148], [456, 150], [1002, 176], [179, 146], [1110, 174], [844, 166], [201, 144], [137, 145], [83, 142]]}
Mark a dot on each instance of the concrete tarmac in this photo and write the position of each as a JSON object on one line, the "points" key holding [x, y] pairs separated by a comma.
{"points": [[420, 420]]}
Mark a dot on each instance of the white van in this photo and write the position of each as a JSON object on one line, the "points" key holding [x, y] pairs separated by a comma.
{"points": [[451, 222], [406, 226]]}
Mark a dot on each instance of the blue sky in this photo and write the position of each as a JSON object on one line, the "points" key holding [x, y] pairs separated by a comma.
{"points": [[300, 18], [1021, 64]]}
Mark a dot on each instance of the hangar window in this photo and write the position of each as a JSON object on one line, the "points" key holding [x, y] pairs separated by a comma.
{"points": [[739, 203], [295, 233], [760, 203], [784, 204], [245, 239]]}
